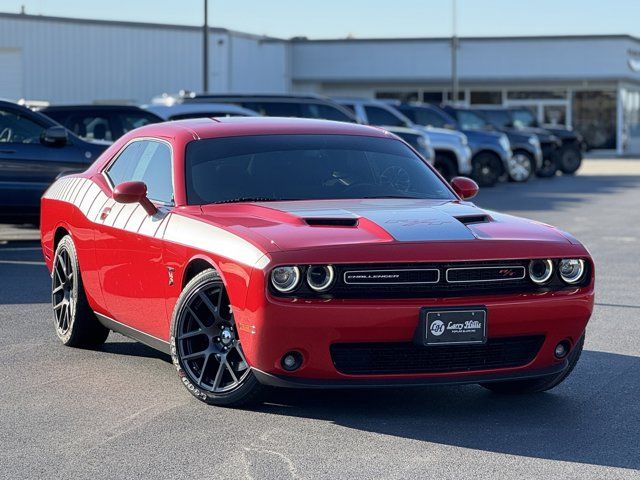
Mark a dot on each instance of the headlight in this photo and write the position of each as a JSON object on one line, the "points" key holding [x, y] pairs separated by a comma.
{"points": [[504, 142], [320, 277], [540, 271], [571, 269], [285, 279], [533, 140]]}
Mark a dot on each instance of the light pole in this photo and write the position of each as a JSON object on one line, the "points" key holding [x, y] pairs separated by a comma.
{"points": [[205, 48], [454, 52]]}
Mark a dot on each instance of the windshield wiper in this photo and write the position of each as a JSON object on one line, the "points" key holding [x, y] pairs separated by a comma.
{"points": [[250, 199]]}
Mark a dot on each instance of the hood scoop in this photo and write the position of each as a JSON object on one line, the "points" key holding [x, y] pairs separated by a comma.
{"points": [[473, 219], [331, 222]]}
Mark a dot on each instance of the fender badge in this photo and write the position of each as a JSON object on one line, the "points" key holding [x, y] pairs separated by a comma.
{"points": [[170, 271]]}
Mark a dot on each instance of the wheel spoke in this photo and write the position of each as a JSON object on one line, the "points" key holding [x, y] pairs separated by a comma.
{"points": [[233, 374], [197, 319], [204, 367], [58, 305], [212, 308], [243, 359], [57, 289], [191, 334], [61, 277], [219, 373], [191, 356]]}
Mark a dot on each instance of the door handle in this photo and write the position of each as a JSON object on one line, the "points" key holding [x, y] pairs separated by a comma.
{"points": [[105, 213], [7, 151]]}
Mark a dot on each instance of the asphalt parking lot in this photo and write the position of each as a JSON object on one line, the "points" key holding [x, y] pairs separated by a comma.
{"points": [[122, 413]]}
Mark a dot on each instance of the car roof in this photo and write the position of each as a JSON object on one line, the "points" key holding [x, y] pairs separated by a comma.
{"points": [[239, 126], [182, 108], [94, 108]]}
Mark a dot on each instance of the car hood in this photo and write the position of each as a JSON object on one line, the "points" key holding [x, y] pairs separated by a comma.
{"points": [[311, 224]]}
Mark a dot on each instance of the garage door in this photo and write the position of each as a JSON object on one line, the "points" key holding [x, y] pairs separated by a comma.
{"points": [[11, 74]]}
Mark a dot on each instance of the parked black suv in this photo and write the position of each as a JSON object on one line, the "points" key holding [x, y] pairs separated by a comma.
{"points": [[101, 122], [304, 106], [570, 154], [525, 145], [34, 150]]}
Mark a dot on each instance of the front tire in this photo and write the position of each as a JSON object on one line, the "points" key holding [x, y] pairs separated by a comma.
{"points": [[75, 323], [548, 168], [521, 166], [205, 347], [537, 385], [487, 169]]}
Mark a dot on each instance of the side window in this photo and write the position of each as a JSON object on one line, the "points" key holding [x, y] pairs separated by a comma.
{"points": [[90, 127], [274, 109], [381, 117], [327, 112], [429, 118], [146, 161], [15, 128]]}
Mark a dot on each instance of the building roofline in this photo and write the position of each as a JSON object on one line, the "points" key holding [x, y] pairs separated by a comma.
{"points": [[473, 38], [128, 24], [301, 40]]}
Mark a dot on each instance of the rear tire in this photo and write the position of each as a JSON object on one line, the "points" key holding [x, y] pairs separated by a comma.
{"points": [[445, 166], [537, 385], [570, 160], [487, 169], [548, 168], [205, 348], [75, 323]]}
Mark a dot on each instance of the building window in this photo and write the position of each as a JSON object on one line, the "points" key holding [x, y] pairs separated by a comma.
{"points": [[486, 98], [402, 96], [449, 96], [594, 116], [433, 97], [537, 95]]}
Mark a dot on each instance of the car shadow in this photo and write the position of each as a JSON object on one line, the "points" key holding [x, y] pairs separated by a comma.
{"points": [[131, 348], [594, 417]]}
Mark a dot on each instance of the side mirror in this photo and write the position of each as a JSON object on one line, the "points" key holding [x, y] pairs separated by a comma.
{"points": [[56, 136], [464, 187], [134, 192]]}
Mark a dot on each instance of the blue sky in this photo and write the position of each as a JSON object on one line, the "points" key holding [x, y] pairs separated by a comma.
{"points": [[363, 18]]}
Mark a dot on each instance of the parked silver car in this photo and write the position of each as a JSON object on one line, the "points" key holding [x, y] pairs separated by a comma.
{"points": [[450, 146]]}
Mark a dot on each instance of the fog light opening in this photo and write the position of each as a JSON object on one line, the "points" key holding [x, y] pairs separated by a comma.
{"points": [[562, 349], [291, 361]]}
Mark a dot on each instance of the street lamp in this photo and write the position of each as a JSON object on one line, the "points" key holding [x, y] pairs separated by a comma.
{"points": [[454, 52], [205, 48]]}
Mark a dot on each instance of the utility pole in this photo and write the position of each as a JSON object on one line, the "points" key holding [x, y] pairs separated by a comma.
{"points": [[454, 52], [205, 49]]}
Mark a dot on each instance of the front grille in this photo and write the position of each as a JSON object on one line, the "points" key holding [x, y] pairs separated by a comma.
{"points": [[500, 273], [389, 358]]}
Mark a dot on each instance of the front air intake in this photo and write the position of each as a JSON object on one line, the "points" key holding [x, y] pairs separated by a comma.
{"points": [[331, 222], [471, 219]]}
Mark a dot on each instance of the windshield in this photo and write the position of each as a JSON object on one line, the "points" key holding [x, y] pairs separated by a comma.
{"points": [[470, 120], [523, 118], [301, 167], [498, 118]]}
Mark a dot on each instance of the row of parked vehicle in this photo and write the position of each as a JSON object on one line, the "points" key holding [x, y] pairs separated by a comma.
{"points": [[37, 145]]}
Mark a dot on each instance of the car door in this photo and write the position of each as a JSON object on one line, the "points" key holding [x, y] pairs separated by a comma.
{"points": [[128, 241], [27, 166]]}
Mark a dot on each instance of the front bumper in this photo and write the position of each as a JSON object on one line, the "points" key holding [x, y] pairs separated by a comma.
{"points": [[310, 327]]}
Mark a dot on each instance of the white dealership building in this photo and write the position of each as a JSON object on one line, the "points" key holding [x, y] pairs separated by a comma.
{"points": [[589, 82]]}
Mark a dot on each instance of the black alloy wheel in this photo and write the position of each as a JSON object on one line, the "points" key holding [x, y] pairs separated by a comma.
{"points": [[205, 346], [487, 169], [75, 323]]}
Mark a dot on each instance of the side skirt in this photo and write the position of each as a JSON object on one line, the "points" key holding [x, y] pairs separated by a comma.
{"points": [[127, 331]]}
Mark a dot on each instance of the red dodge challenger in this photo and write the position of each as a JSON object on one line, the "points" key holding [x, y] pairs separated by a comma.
{"points": [[305, 253]]}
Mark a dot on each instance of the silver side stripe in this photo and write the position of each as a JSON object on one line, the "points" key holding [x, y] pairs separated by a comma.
{"points": [[92, 201]]}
